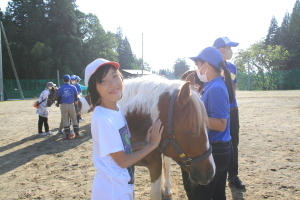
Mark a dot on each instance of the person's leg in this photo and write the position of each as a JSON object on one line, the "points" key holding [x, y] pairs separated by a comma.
{"points": [[72, 114], [220, 189], [187, 184], [222, 157], [40, 124], [234, 132], [46, 125], [64, 115], [60, 126]]}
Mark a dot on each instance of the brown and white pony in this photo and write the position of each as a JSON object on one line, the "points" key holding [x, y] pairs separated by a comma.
{"points": [[183, 115]]}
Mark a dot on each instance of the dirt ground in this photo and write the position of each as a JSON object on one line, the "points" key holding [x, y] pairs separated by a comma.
{"points": [[48, 167]]}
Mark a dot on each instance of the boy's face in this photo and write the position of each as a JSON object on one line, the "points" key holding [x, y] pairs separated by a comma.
{"points": [[111, 87]]}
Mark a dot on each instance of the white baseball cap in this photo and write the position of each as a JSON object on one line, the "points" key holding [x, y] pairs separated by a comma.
{"points": [[93, 66]]}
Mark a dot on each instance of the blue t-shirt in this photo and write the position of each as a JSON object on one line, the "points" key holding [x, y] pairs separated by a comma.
{"points": [[67, 93], [82, 87], [233, 72], [78, 88], [216, 101]]}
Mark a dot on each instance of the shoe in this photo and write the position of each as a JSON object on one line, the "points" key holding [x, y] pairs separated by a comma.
{"points": [[49, 133], [68, 136], [81, 120], [44, 133], [237, 182], [78, 136], [60, 132]]}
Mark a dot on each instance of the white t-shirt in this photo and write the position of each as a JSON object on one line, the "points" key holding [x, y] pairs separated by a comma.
{"points": [[110, 134]]}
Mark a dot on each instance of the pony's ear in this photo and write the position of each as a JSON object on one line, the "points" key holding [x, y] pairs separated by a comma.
{"points": [[191, 78], [184, 94]]}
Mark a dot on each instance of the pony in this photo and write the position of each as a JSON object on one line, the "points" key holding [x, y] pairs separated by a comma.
{"points": [[184, 139]]}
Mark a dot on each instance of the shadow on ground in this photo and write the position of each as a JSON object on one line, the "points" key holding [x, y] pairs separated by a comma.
{"points": [[50, 145]]}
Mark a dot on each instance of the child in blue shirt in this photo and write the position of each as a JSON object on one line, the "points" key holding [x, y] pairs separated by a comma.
{"points": [[216, 96]]}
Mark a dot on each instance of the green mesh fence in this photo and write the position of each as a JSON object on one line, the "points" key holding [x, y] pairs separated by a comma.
{"points": [[30, 88], [278, 80]]}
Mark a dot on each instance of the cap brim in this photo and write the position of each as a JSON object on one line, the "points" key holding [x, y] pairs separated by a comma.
{"points": [[114, 64], [232, 44], [192, 58]]}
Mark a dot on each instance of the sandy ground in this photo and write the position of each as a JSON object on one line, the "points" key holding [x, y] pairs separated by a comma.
{"points": [[47, 167]]}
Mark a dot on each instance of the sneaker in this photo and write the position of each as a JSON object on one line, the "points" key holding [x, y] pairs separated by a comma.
{"points": [[237, 182], [44, 133], [78, 136], [68, 136], [81, 120], [60, 132], [49, 133]]}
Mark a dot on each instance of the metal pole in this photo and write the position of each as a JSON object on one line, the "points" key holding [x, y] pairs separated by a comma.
{"points": [[1, 72], [142, 54], [248, 76], [58, 78], [12, 62]]}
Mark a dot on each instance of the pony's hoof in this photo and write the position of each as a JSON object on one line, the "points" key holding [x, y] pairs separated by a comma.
{"points": [[167, 194]]}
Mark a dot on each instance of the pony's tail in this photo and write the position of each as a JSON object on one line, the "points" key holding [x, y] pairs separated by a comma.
{"points": [[228, 82]]}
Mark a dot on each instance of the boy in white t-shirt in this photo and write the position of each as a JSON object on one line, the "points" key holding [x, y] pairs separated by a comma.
{"points": [[112, 151]]}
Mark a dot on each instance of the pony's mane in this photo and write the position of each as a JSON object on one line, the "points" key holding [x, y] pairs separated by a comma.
{"points": [[142, 94]]}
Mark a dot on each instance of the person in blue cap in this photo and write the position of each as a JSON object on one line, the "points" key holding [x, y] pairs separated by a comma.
{"points": [[78, 79], [216, 97], [75, 83], [224, 44], [67, 97]]}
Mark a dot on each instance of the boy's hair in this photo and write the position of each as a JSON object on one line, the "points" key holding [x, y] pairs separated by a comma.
{"points": [[97, 78]]}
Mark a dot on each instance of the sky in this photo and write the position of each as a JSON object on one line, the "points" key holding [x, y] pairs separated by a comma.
{"points": [[172, 29]]}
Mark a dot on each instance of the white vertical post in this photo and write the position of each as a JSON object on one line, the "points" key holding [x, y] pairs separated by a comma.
{"points": [[1, 72], [142, 54], [58, 84]]}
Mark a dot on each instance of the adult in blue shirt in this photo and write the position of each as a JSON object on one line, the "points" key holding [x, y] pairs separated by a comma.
{"points": [[224, 44], [67, 97], [216, 98]]}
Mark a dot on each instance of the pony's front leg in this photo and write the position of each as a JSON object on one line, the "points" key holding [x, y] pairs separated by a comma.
{"points": [[167, 169], [155, 169]]}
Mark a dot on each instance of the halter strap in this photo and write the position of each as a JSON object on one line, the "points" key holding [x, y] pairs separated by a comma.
{"points": [[170, 138]]}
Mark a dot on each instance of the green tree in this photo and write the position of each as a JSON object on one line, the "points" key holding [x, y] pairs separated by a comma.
{"points": [[263, 61], [180, 67], [293, 44], [28, 25], [65, 41], [282, 33], [96, 42], [271, 38], [126, 57]]}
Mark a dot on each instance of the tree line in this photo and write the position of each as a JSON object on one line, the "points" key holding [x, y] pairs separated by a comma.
{"points": [[273, 63], [49, 35]]}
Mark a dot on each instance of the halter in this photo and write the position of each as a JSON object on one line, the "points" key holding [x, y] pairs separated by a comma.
{"points": [[186, 161]]}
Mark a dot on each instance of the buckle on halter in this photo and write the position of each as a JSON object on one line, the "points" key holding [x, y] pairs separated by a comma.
{"points": [[188, 162]]}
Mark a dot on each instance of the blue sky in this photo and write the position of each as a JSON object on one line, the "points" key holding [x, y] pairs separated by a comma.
{"points": [[178, 29]]}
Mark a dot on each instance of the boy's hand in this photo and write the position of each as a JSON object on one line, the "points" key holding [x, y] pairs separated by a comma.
{"points": [[154, 133]]}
